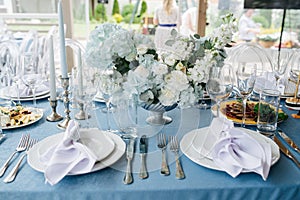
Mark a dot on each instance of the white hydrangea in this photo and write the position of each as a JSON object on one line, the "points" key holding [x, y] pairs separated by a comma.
{"points": [[160, 69], [177, 80], [108, 41], [168, 97]]}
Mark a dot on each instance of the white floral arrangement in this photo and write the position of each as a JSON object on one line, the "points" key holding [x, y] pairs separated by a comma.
{"points": [[111, 46], [180, 74]]}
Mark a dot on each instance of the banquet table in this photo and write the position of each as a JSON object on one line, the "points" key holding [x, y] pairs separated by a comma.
{"points": [[200, 182]]}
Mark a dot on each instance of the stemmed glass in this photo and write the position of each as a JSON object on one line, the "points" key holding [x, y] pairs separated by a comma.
{"points": [[86, 91], [109, 84], [246, 76], [10, 62], [31, 74], [280, 60], [220, 84]]}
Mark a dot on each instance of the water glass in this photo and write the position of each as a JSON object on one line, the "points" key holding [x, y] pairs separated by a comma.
{"points": [[268, 111], [220, 84]]}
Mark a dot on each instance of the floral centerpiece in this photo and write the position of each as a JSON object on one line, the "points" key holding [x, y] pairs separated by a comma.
{"points": [[175, 79]]}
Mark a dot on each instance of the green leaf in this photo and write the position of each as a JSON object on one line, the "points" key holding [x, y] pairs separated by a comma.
{"points": [[174, 32], [169, 42], [207, 44], [197, 36]]}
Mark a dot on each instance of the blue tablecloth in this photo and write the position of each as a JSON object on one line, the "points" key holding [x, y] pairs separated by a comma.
{"points": [[200, 182]]}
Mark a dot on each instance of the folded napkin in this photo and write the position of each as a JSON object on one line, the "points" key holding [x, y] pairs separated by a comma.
{"points": [[235, 151], [68, 156], [25, 91], [267, 81]]}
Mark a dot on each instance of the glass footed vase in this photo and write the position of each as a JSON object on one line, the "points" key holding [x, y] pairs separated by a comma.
{"points": [[157, 113]]}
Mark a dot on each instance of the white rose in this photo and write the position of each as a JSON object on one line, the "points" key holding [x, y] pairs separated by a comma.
{"points": [[141, 72], [178, 80], [160, 69], [168, 97], [142, 49], [170, 60]]}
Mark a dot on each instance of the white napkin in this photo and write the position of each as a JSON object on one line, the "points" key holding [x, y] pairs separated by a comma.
{"points": [[235, 151], [69, 156], [217, 126], [267, 81], [27, 92]]}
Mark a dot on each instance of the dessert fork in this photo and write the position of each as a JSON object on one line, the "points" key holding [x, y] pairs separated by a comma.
{"points": [[12, 175], [174, 147], [21, 147], [162, 144]]}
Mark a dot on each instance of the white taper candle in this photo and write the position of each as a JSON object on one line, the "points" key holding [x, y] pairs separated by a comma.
{"points": [[80, 79], [63, 59], [52, 70]]}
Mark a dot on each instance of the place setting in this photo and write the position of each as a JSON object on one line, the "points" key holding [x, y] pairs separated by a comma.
{"points": [[87, 150], [224, 146]]}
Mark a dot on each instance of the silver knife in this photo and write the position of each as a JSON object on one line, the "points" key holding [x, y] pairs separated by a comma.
{"points": [[289, 141], [143, 151], [129, 155], [2, 136], [286, 151]]}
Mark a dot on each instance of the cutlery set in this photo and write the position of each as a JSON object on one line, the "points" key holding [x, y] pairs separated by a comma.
{"points": [[143, 147], [24, 144], [174, 147]]}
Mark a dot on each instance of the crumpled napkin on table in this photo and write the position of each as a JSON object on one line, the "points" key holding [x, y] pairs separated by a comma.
{"points": [[25, 91], [69, 156], [235, 151]]}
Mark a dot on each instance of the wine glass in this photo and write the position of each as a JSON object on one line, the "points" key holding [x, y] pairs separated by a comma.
{"points": [[109, 83], [246, 76], [220, 84], [87, 89], [280, 61], [10, 65], [31, 74]]}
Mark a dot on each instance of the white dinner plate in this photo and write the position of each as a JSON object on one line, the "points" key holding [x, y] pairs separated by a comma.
{"points": [[187, 147], [292, 107], [99, 98], [118, 151], [37, 94], [94, 139], [38, 112], [4, 95]]}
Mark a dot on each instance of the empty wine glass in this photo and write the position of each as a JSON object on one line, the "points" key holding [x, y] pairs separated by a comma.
{"points": [[86, 91], [220, 84], [10, 64], [280, 64], [31, 74], [109, 83], [246, 76]]}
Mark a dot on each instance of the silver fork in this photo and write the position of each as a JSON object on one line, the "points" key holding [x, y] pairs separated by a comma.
{"points": [[174, 147], [12, 175], [21, 147], [162, 144]]}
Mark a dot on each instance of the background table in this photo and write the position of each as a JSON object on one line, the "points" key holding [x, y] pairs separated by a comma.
{"points": [[200, 182]]}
